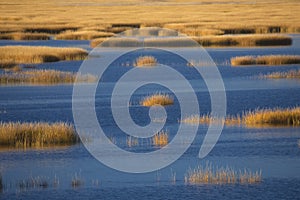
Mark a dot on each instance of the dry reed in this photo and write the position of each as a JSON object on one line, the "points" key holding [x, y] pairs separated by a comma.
{"points": [[145, 61], [157, 99], [220, 175], [44, 77], [161, 138], [12, 55], [132, 141], [36, 134], [265, 60], [24, 36]]}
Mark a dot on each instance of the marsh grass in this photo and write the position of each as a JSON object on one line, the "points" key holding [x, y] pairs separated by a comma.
{"points": [[160, 139], [12, 55], [220, 175], [157, 99], [132, 141], [293, 74], [44, 77], [96, 42], [24, 36], [83, 35], [145, 61], [265, 60], [246, 40], [37, 134], [256, 118]]}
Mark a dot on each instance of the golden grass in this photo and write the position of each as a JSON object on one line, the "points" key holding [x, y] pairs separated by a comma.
{"points": [[265, 60], [12, 55], [294, 74], [157, 99], [43, 77], [54, 16], [259, 117], [145, 61], [246, 40], [36, 134], [220, 175], [24, 36], [160, 139], [95, 42], [82, 35]]}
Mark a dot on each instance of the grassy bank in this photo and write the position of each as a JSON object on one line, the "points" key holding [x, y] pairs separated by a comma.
{"points": [[157, 99], [246, 40], [37, 134], [43, 77], [12, 55], [220, 175], [259, 117], [24, 36], [145, 61], [265, 60], [294, 74]]}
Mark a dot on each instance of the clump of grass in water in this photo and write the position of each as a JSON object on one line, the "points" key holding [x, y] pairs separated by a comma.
{"points": [[145, 61], [161, 138], [44, 77], [33, 182], [265, 60], [157, 99], [37, 134], [278, 75], [262, 117], [12, 55], [132, 141], [216, 175]]}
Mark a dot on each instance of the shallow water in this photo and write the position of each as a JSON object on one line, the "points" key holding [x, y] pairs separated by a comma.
{"points": [[275, 151]]}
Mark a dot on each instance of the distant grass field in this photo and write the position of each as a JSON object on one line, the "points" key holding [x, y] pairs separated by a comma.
{"points": [[265, 60], [259, 117], [36, 134], [12, 55], [43, 77]]}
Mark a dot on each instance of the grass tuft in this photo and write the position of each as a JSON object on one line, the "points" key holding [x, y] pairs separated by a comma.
{"points": [[161, 138], [265, 60], [43, 77], [145, 61], [157, 99], [36, 134], [12, 55], [220, 175]]}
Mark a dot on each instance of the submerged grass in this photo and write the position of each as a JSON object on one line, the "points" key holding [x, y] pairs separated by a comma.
{"points": [[265, 60], [44, 77], [220, 175], [259, 117], [145, 61], [157, 99], [293, 74], [12, 55], [36, 134]]}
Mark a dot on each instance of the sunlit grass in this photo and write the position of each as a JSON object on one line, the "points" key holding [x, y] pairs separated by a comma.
{"points": [[160, 139], [220, 175], [157, 99], [12, 55], [145, 61], [37, 134], [82, 35], [265, 60], [43, 77], [258, 117], [24, 36], [293, 74]]}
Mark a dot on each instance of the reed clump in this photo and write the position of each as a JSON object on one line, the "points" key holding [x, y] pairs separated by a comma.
{"points": [[258, 117], [37, 134], [44, 77], [132, 141], [220, 175], [160, 139], [83, 35], [265, 60], [145, 61], [293, 74], [157, 99], [12, 55]]}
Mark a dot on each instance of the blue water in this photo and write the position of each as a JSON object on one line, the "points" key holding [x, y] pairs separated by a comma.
{"points": [[275, 151]]}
